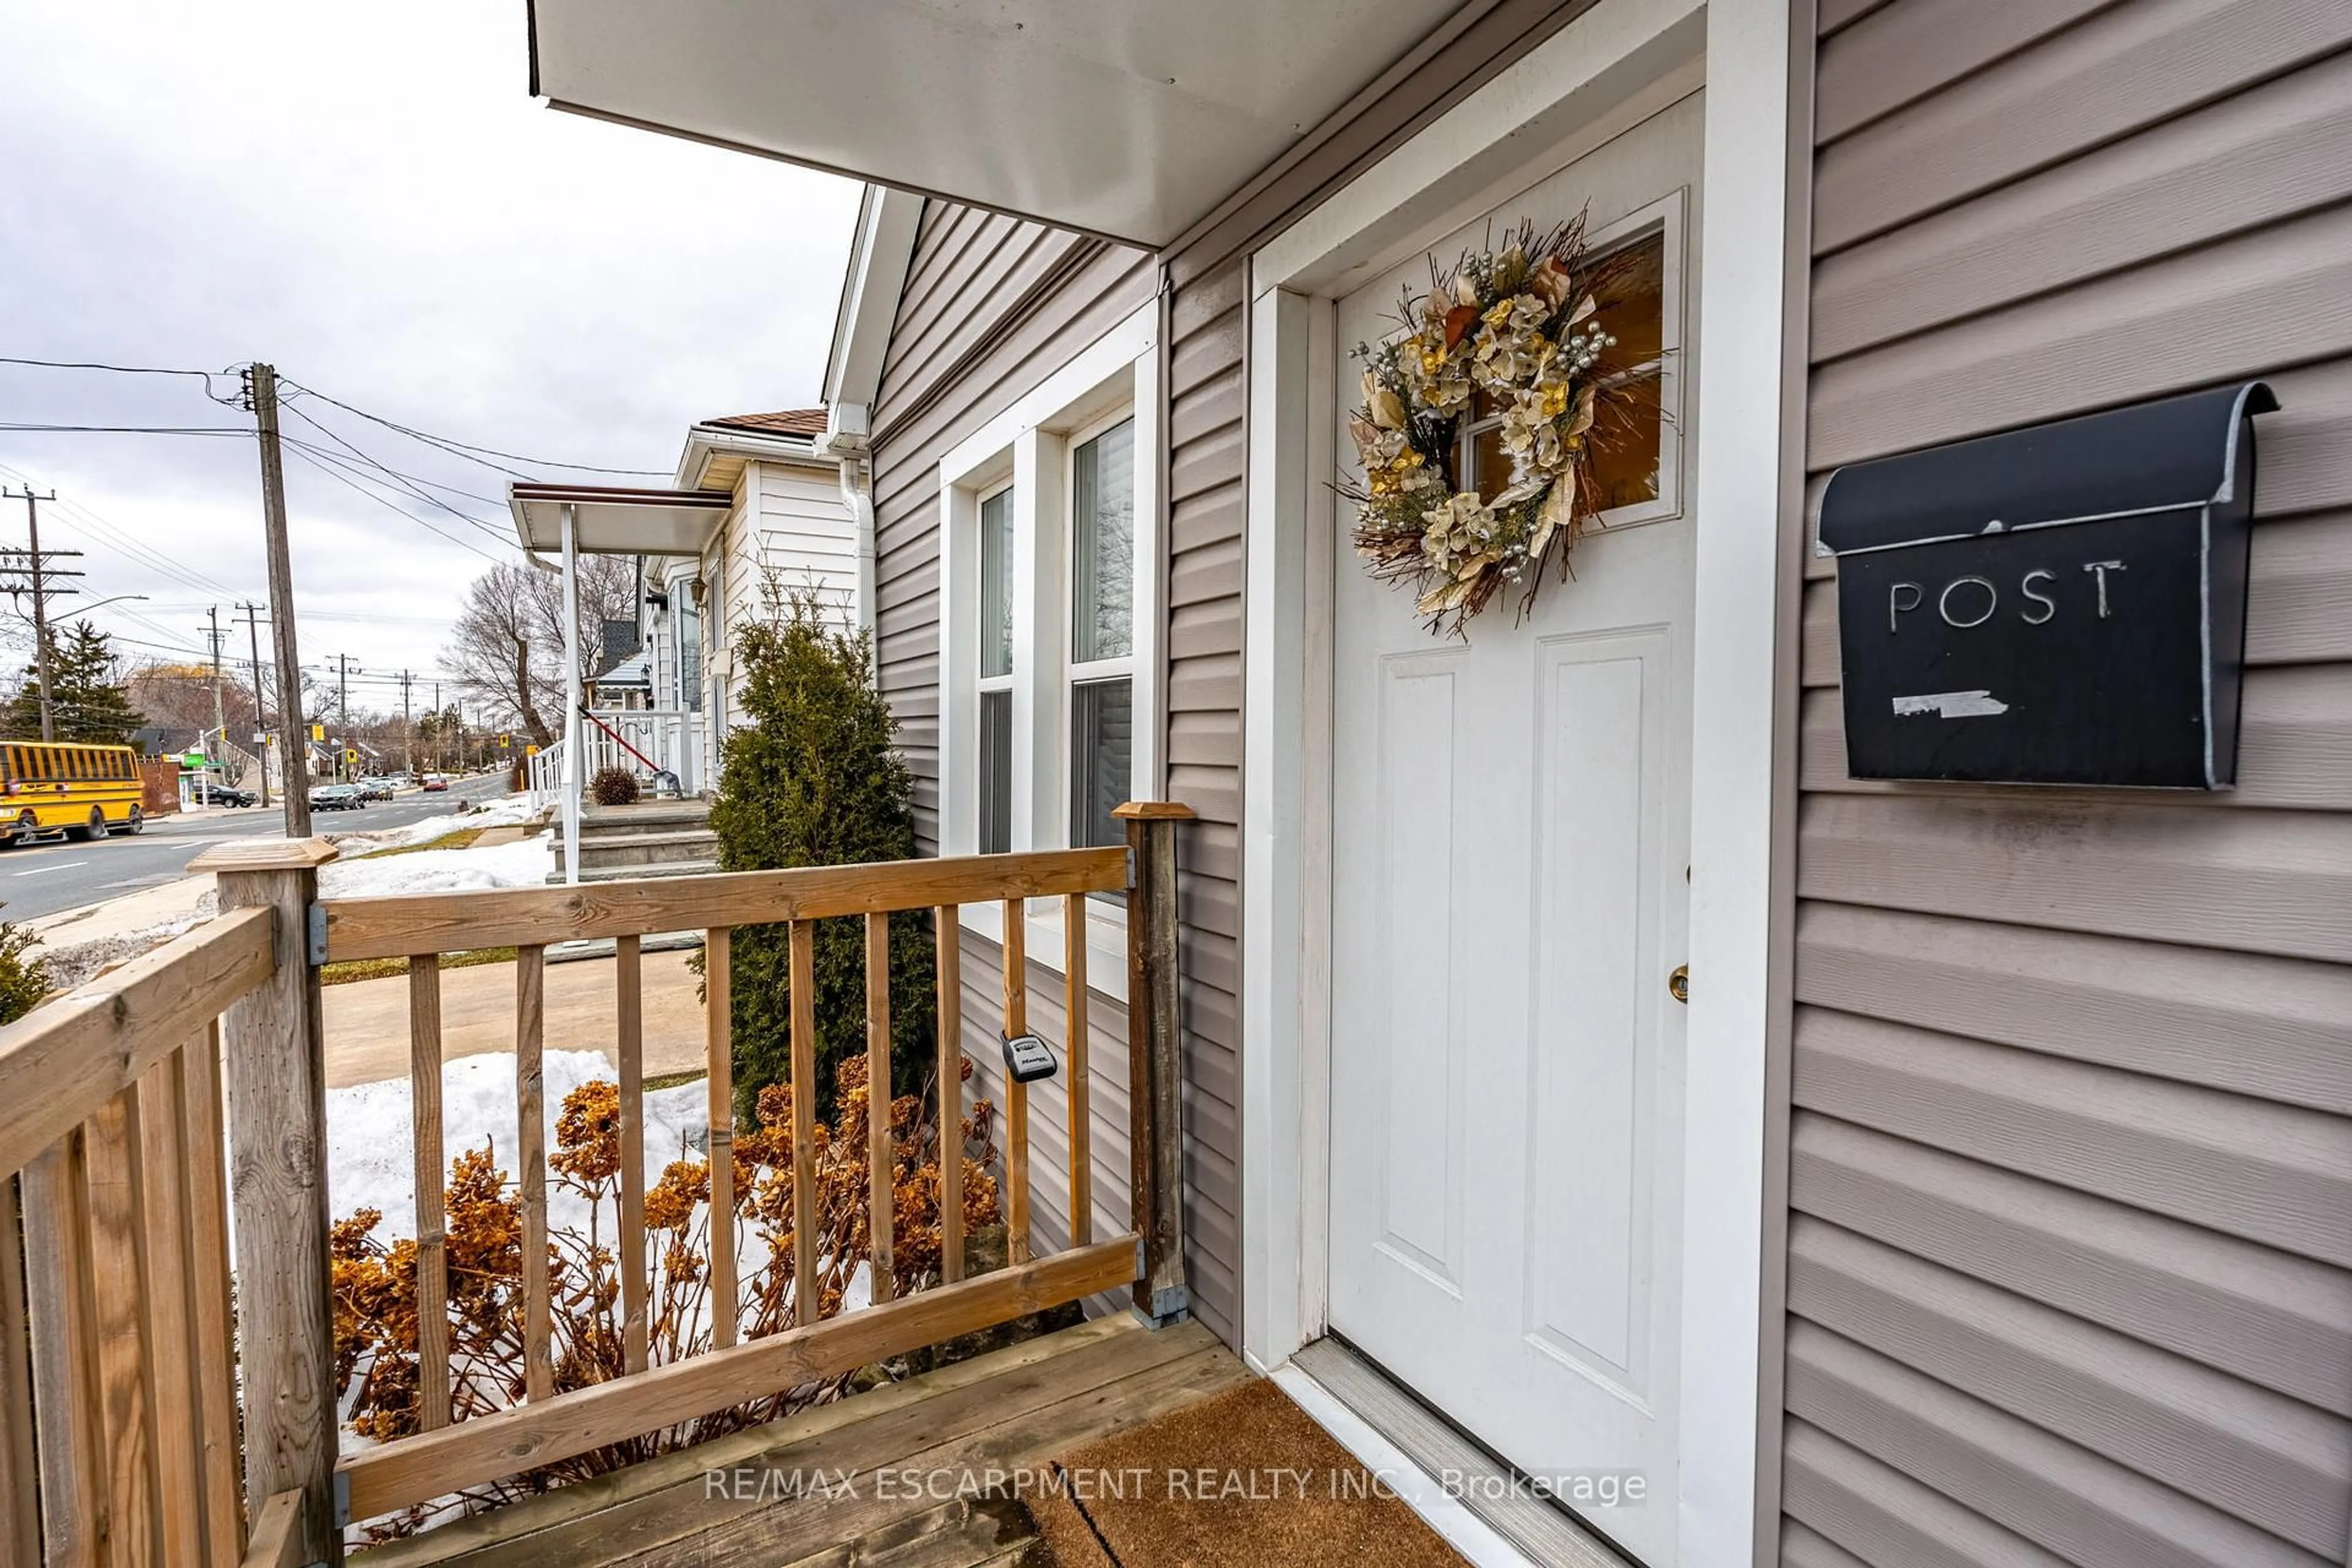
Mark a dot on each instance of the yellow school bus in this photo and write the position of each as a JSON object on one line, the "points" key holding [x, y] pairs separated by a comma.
{"points": [[87, 791]]}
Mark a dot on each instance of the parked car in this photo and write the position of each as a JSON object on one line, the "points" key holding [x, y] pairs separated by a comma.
{"points": [[374, 789], [337, 797], [435, 783], [229, 795]]}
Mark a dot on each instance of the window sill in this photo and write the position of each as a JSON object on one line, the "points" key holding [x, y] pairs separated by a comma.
{"points": [[1106, 940]]}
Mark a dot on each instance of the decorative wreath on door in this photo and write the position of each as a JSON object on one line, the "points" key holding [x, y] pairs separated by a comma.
{"points": [[1510, 332]]}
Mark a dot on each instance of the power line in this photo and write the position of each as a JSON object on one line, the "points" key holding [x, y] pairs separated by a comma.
{"points": [[300, 449], [132, 429], [467, 449], [203, 375], [409, 482], [113, 536]]}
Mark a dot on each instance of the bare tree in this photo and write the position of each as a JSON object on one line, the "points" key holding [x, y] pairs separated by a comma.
{"points": [[506, 647]]}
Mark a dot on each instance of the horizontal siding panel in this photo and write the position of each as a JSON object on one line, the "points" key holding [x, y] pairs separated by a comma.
{"points": [[2276, 1028], [2248, 1168], [1905, 52], [2090, 1511], [2294, 747], [2279, 296], [1803, 1548], [2126, 68], [2276, 1320], [2281, 150], [2247, 1452], [2259, 881], [1207, 573], [1885, 1517]]}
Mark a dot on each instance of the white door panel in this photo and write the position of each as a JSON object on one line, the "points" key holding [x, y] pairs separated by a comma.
{"points": [[1511, 835]]}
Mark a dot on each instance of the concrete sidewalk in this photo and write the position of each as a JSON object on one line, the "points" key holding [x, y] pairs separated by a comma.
{"points": [[367, 1020]]}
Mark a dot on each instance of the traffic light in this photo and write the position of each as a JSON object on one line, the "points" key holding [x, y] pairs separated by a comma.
{"points": [[317, 732]]}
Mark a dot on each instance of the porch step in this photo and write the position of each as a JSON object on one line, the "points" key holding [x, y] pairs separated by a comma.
{"points": [[590, 872], [647, 848], [644, 816], [1006, 1410]]}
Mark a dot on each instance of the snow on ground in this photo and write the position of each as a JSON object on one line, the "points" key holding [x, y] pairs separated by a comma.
{"points": [[505, 811], [370, 1153], [519, 865]]}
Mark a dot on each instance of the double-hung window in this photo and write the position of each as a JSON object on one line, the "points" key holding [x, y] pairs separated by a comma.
{"points": [[995, 682], [1049, 622], [1102, 632]]}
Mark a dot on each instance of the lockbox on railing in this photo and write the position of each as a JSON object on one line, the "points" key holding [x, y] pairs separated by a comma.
{"points": [[2063, 604]]}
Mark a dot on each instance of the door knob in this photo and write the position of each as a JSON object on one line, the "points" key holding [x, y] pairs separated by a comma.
{"points": [[1678, 983]]}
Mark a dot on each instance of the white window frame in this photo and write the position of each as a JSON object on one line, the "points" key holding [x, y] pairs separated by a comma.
{"points": [[983, 684], [1032, 442]]}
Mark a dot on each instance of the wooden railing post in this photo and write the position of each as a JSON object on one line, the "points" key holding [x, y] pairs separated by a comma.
{"points": [[1154, 1082], [278, 1162]]}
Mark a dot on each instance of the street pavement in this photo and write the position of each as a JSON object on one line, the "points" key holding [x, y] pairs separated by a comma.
{"points": [[46, 878]]}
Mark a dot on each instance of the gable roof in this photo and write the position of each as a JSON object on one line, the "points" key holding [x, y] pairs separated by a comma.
{"points": [[784, 422]]}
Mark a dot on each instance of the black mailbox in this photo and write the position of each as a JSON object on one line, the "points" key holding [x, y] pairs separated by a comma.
{"points": [[2059, 605]]}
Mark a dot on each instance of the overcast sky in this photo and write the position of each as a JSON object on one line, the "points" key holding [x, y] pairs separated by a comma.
{"points": [[367, 197]]}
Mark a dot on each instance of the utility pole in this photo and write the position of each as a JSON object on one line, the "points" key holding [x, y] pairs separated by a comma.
{"points": [[407, 729], [252, 618], [220, 723], [36, 566], [342, 711], [261, 386]]}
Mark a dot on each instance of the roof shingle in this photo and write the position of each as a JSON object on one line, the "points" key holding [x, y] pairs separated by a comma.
{"points": [[784, 422]]}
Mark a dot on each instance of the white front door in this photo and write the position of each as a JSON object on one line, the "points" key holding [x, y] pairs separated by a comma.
{"points": [[1510, 888]]}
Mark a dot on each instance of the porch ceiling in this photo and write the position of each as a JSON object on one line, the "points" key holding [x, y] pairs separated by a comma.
{"points": [[1129, 118], [617, 522]]}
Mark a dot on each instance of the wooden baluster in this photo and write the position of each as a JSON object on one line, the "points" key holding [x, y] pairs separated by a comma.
{"points": [[1016, 1095], [719, 1058], [62, 1303], [531, 1157], [881, 1191], [110, 1141], [160, 1201], [1074, 1010], [629, 1013], [1154, 1085], [802, 980], [20, 1529], [212, 1307], [946, 929], [432, 1173]]}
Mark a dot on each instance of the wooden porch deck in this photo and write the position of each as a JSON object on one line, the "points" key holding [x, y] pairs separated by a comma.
{"points": [[914, 1475]]}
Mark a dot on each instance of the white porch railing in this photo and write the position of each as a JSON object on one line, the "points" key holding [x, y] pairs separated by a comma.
{"points": [[645, 741], [670, 738]]}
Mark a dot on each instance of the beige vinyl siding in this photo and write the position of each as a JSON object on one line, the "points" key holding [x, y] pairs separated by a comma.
{"points": [[992, 306], [2069, 1248]]}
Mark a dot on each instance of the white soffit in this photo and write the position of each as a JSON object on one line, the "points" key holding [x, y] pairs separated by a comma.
{"points": [[1129, 118], [615, 522]]}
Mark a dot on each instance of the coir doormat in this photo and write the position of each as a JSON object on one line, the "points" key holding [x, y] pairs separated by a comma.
{"points": [[1245, 1478]]}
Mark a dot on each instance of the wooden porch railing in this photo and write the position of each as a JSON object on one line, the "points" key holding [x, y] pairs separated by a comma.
{"points": [[117, 1416], [121, 1366]]}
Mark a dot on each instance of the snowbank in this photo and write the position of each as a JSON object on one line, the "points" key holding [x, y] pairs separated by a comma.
{"points": [[505, 811], [520, 865], [370, 1152]]}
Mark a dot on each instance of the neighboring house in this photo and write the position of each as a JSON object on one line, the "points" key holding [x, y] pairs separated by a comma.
{"points": [[757, 496], [1990, 1199]]}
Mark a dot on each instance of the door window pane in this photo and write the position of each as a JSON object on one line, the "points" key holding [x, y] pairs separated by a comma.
{"points": [[1626, 453], [1102, 742], [996, 584], [1103, 544], [995, 772]]}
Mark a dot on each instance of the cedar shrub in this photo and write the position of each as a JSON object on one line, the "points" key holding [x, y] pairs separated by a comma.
{"points": [[23, 981], [810, 775]]}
